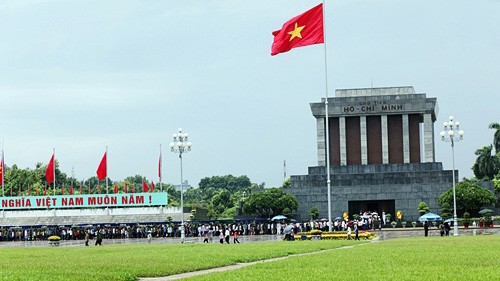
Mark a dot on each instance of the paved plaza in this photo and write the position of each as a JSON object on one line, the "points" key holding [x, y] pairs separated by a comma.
{"points": [[384, 234]]}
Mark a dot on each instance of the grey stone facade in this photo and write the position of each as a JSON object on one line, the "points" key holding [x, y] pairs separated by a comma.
{"points": [[406, 184]]}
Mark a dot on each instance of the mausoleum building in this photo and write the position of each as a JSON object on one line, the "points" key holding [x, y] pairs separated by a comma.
{"points": [[382, 154]]}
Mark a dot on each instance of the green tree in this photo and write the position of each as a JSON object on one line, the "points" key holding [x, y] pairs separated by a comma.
{"points": [[313, 213], [486, 165], [496, 182], [423, 208], [469, 197], [219, 203], [496, 136], [269, 203], [286, 183], [446, 211]]}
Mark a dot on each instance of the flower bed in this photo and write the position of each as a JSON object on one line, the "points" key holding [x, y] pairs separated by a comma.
{"points": [[337, 235], [54, 240]]}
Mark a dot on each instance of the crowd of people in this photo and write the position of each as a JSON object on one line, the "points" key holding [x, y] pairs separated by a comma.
{"points": [[209, 231]]}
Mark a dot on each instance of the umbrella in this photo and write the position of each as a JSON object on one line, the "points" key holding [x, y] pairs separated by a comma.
{"points": [[448, 220], [278, 218], [485, 211], [324, 219], [430, 217], [338, 218]]}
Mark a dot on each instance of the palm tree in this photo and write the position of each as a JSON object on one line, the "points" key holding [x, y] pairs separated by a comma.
{"points": [[496, 137], [487, 165]]}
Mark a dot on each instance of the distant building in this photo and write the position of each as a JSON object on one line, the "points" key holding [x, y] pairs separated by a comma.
{"points": [[382, 155], [185, 184]]}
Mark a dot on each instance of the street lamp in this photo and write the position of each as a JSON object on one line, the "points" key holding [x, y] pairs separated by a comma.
{"points": [[452, 134], [180, 144]]}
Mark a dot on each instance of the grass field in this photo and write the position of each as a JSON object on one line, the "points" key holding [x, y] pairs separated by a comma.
{"points": [[432, 258]]}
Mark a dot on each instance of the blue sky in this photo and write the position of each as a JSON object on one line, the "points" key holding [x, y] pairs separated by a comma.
{"points": [[78, 76]]}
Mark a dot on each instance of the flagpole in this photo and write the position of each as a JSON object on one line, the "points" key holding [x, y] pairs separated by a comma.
{"points": [[327, 137], [159, 171], [54, 152], [106, 169]]}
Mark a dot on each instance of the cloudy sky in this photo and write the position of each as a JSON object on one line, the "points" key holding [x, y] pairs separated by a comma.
{"points": [[78, 76]]}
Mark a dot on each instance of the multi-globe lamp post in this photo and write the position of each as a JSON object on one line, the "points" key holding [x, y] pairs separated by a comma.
{"points": [[452, 133], [181, 145]]}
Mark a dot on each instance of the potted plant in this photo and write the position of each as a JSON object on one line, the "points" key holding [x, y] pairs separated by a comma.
{"points": [[393, 224], [403, 223], [54, 240], [414, 223], [466, 219], [387, 218]]}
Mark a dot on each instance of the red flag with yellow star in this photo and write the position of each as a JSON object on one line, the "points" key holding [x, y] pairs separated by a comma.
{"points": [[302, 30]]}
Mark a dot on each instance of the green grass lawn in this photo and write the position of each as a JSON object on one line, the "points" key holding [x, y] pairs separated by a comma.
{"points": [[436, 258], [130, 261], [431, 258]]}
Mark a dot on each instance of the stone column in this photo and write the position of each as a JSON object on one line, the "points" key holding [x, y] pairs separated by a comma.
{"points": [[321, 145], [364, 142], [406, 139], [385, 140], [428, 138], [343, 147]]}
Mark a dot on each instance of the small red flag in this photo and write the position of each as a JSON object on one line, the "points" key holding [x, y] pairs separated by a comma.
{"points": [[45, 190], [102, 169], [1, 169], [125, 187], [81, 189], [29, 191], [62, 190], [49, 172], [302, 30], [116, 188], [19, 191], [98, 189], [37, 192], [90, 190], [11, 191], [152, 186], [71, 189], [144, 186], [133, 188]]}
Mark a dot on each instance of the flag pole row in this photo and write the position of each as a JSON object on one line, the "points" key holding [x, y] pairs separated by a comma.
{"points": [[102, 174]]}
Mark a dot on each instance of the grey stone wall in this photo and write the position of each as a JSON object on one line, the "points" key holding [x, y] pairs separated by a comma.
{"points": [[406, 184]]}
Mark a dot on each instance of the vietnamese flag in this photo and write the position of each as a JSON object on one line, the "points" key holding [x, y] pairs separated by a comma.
{"points": [[116, 188], [29, 191], [71, 189], [62, 190], [37, 192], [302, 30], [81, 189], [102, 169], [11, 191], [133, 188], [98, 189], [49, 172], [144, 186], [152, 186], [125, 187]]}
